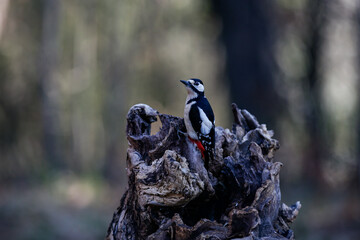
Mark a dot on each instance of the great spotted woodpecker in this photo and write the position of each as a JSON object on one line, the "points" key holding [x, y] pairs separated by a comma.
{"points": [[199, 119]]}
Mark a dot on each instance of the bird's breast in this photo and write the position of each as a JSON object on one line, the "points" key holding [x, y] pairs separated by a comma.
{"points": [[189, 128]]}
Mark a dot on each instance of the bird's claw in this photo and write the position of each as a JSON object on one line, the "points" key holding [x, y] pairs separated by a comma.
{"points": [[179, 132]]}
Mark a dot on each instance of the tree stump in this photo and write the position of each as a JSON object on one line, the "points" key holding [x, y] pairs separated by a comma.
{"points": [[171, 195]]}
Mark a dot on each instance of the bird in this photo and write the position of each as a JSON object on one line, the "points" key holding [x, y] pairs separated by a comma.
{"points": [[199, 119]]}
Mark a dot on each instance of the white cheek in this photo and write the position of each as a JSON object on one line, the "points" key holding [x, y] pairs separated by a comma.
{"points": [[200, 87]]}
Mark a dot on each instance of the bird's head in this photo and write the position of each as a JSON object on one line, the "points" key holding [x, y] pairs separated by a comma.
{"points": [[194, 86]]}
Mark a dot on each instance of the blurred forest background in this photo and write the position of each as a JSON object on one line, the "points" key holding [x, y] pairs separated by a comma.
{"points": [[70, 70]]}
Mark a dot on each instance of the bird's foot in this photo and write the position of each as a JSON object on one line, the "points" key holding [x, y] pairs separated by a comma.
{"points": [[178, 132]]}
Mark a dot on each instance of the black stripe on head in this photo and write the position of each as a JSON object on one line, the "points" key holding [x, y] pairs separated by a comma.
{"points": [[197, 80], [196, 84]]}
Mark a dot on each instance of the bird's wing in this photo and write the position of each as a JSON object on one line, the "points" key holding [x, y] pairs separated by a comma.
{"points": [[203, 124], [194, 117], [206, 124], [206, 107]]}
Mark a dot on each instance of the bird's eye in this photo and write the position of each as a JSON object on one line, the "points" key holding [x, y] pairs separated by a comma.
{"points": [[196, 83]]}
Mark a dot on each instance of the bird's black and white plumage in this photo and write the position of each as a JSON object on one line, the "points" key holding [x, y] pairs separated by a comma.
{"points": [[199, 118]]}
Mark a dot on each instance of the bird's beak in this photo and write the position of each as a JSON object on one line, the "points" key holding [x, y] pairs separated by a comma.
{"points": [[186, 83]]}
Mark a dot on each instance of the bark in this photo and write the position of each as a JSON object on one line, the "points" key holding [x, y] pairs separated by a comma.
{"points": [[171, 195], [49, 96]]}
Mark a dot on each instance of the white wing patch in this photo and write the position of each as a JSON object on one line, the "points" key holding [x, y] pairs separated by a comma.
{"points": [[206, 124]]}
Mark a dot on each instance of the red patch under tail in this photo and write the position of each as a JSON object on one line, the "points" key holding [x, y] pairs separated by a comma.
{"points": [[199, 145]]}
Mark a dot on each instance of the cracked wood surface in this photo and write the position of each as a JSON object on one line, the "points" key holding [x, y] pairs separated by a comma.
{"points": [[171, 195]]}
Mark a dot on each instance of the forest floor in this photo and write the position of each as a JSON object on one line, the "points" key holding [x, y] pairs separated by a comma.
{"points": [[63, 208], [69, 207]]}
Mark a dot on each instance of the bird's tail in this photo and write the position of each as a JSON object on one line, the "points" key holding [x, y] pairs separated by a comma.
{"points": [[208, 155]]}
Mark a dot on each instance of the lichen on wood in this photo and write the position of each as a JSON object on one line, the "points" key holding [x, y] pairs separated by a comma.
{"points": [[171, 195]]}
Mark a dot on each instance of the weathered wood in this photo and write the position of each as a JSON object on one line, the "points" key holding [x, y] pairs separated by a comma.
{"points": [[171, 195]]}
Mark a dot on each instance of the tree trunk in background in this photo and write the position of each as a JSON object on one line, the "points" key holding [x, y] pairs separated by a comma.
{"points": [[115, 100], [249, 38], [332, 77], [358, 100], [3, 14], [313, 152], [48, 63]]}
